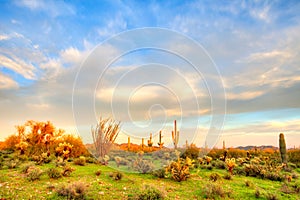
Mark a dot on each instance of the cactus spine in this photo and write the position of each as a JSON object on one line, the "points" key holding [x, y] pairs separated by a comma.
{"points": [[282, 148], [175, 135], [160, 143], [150, 143]]}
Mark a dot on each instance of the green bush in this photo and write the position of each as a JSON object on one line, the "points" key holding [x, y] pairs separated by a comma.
{"points": [[191, 152], [219, 164], [150, 193], [80, 161], [54, 173]]}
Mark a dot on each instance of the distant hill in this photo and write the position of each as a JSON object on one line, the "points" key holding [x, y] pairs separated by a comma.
{"points": [[257, 147]]}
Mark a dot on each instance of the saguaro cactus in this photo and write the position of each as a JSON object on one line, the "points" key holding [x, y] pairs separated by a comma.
{"points": [[224, 147], [143, 145], [150, 143], [282, 148], [128, 145], [175, 135], [160, 143]]}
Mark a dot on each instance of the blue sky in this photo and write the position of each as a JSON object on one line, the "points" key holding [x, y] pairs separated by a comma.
{"points": [[255, 46]]}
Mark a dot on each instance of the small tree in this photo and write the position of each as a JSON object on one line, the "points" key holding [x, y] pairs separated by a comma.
{"points": [[104, 135]]}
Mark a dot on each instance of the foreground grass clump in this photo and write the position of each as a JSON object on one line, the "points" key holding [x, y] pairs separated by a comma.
{"points": [[34, 173], [75, 190], [149, 193]]}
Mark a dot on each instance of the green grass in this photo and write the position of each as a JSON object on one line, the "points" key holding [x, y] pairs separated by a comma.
{"points": [[14, 185]]}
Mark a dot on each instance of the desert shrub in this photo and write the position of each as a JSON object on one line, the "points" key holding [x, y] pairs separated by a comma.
{"points": [[27, 168], [191, 152], [150, 193], [160, 173], [273, 176], [34, 173], [219, 164], [59, 162], [22, 158], [179, 170], [76, 190], [213, 191], [91, 160], [286, 189], [227, 177], [11, 164], [67, 170], [208, 167], [296, 187], [257, 193], [116, 176], [239, 171], [54, 173], [143, 166], [214, 177], [80, 161], [248, 183], [98, 172], [271, 196]]}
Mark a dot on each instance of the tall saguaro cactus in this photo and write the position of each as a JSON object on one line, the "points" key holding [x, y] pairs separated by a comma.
{"points": [[160, 143], [282, 147], [175, 135], [128, 145], [150, 143]]}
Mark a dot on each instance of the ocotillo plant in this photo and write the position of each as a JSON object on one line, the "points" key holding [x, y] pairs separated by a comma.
{"points": [[175, 135], [282, 147], [160, 143], [150, 143]]}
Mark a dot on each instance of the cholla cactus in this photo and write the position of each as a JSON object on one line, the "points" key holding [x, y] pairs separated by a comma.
{"points": [[22, 146], [208, 159], [230, 163], [64, 150]]}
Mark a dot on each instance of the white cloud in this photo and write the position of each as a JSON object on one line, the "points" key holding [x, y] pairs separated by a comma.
{"points": [[7, 82], [72, 55], [27, 70], [4, 37]]}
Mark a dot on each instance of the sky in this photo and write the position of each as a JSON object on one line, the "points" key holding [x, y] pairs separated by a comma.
{"points": [[225, 70]]}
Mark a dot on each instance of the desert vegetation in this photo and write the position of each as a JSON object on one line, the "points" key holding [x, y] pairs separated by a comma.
{"points": [[43, 162]]}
